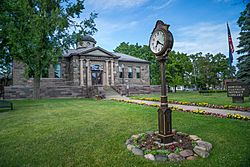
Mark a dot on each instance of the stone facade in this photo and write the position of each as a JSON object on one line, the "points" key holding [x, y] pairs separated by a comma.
{"points": [[17, 92], [82, 72], [144, 78]]}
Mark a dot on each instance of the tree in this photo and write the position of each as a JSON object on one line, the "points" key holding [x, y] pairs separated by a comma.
{"points": [[38, 31], [243, 65], [209, 70], [5, 68], [5, 56], [179, 68], [221, 70]]}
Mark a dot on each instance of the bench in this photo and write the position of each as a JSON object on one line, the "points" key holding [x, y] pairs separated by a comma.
{"points": [[1, 91], [6, 104]]}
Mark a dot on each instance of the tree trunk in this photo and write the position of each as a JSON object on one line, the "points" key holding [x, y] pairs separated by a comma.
{"points": [[5, 81], [175, 88], [36, 87]]}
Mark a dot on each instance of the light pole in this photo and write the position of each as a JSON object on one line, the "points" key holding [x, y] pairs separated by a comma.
{"points": [[161, 43]]}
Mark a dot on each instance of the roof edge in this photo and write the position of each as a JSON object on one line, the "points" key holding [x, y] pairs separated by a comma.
{"points": [[92, 49]]}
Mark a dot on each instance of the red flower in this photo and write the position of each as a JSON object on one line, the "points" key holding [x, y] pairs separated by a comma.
{"points": [[172, 147]]}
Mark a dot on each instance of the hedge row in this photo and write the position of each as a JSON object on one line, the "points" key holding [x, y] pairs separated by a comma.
{"points": [[212, 91]]}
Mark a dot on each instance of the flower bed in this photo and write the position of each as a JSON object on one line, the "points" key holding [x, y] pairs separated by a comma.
{"points": [[202, 112], [183, 147], [201, 104]]}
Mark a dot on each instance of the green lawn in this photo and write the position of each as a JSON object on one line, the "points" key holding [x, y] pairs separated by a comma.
{"points": [[213, 98], [85, 132]]}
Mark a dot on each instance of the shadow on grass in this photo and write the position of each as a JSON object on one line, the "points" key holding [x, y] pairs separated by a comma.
{"points": [[3, 110]]}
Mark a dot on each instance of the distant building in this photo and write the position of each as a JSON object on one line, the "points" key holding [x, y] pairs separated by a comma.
{"points": [[82, 72]]}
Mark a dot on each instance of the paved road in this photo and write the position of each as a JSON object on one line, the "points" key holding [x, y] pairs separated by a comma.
{"points": [[186, 107]]}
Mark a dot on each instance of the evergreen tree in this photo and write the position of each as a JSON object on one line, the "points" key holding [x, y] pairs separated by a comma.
{"points": [[244, 46]]}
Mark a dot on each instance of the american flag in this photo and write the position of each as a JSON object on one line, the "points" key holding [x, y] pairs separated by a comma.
{"points": [[231, 46]]}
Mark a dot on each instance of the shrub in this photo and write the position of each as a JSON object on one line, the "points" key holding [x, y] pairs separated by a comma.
{"points": [[212, 91]]}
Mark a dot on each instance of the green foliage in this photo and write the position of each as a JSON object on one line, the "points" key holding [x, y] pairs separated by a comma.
{"points": [[38, 31], [194, 143], [210, 70], [179, 68], [157, 152], [177, 150], [5, 56], [212, 91], [244, 46]]}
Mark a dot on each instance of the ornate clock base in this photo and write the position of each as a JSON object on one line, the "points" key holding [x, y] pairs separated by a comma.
{"points": [[165, 123], [166, 138]]}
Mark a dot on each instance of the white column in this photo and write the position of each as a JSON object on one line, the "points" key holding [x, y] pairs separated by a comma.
{"points": [[81, 72], [89, 80], [112, 73], [107, 72]]}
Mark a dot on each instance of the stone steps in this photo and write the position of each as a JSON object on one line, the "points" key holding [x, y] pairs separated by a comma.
{"points": [[110, 93]]}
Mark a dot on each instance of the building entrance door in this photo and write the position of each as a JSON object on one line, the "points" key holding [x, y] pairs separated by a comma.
{"points": [[96, 74]]}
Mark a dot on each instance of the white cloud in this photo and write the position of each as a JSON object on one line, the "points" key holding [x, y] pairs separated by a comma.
{"points": [[109, 31], [107, 4], [167, 3], [222, 1], [205, 38]]}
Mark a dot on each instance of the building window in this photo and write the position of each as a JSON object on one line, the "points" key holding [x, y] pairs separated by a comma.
{"points": [[120, 72], [58, 71], [95, 67], [130, 72], [138, 72]]}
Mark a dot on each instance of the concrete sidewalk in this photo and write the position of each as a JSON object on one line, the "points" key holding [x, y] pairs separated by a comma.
{"points": [[187, 107]]}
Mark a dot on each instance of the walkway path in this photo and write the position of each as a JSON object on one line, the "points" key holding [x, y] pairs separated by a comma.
{"points": [[186, 107]]}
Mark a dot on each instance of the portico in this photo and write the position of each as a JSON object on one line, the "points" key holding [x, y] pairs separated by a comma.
{"points": [[97, 72]]}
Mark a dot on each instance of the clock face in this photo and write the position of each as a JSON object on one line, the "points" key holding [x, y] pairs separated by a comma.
{"points": [[157, 41]]}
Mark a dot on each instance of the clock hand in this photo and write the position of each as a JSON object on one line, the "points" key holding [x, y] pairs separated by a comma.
{"points": [[158, 42]]}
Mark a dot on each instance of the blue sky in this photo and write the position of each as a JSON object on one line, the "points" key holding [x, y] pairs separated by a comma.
{"points": [[197, 25]]}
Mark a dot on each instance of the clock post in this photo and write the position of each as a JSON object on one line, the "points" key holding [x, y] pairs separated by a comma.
{"points": [[161, 43]]}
